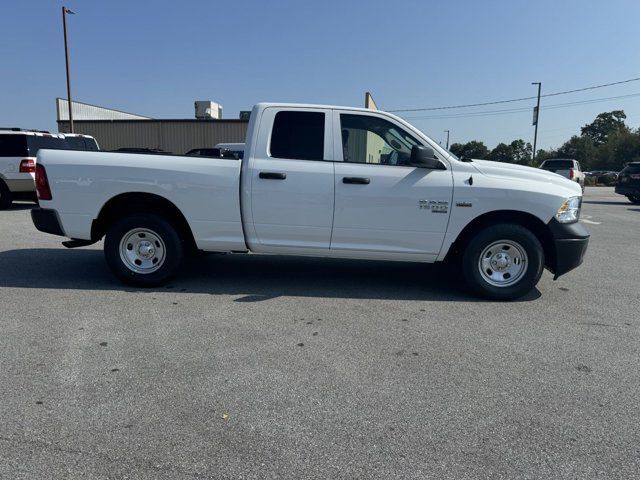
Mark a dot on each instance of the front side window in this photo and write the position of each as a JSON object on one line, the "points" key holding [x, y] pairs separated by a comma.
{"points": [[369, 139], [298, 135]]}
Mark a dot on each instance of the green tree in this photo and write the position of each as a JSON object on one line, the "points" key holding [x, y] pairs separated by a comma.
{"points": [[604, 125], [502, 153], [543, 155], [521, 152], [582, 149], [621, 147], [472, 149]]}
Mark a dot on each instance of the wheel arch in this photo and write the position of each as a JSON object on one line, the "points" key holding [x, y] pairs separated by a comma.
{"points": [[525, 219], [141, 202]]}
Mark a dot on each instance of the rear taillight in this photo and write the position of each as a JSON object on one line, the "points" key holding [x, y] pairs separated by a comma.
{"points": [[28, 165], [42, 183], [571, 173]]}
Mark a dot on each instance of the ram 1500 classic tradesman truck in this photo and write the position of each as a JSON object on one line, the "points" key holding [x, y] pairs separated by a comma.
{"points": [[323, 181]]}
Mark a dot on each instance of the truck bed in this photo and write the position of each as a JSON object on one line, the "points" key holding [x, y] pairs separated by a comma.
{"points": [[206, 190]]}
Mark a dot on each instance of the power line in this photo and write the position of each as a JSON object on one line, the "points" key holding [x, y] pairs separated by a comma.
{"points": [[489, 113], [516, 99]]}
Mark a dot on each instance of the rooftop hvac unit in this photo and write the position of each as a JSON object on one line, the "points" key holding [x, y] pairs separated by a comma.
{"points": [[206, 109]]}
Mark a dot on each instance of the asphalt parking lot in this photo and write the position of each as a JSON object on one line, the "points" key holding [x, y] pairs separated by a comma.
{"points": [[274, 367]]}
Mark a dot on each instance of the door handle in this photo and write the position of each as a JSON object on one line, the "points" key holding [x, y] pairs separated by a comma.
{"points": [[356, 180], [273, 175]]}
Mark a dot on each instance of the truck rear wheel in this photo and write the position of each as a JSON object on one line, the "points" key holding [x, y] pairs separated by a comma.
{"points": [[503, 262], [635, 199], [5, 196], [143, 250]]}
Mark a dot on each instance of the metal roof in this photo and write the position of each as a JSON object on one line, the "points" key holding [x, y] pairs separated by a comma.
{"points": [[86, 111]]}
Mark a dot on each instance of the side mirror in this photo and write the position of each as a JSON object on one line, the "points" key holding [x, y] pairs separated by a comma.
{"points": [[425, 157]]}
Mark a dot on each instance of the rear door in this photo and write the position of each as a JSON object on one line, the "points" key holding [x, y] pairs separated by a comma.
{"points": [[292, 187], [382, 203]]}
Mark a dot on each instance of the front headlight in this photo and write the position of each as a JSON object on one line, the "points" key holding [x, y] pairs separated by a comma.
{"points": [[569, 211]]}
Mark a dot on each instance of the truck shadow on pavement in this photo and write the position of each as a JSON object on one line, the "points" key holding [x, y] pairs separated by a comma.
{"points": [[21, 206], [253, 278], [606, 202]]}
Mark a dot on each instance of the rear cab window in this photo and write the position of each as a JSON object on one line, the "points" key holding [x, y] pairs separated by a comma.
{"points": [[558, 164]]}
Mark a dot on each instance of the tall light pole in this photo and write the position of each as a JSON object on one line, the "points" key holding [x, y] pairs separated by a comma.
{"points": [[447, 139], [536, 114], [66, 11]]}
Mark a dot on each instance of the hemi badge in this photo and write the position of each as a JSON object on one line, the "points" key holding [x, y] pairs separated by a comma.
{"points": [[464, 204]]}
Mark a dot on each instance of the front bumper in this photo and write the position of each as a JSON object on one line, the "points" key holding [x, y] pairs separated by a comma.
{"points": [[628, 189], [570, 242], [47, 221]]}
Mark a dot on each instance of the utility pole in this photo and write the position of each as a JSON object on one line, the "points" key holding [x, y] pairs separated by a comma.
{"points": [[536, 115], [66, 11], [447, 139]]}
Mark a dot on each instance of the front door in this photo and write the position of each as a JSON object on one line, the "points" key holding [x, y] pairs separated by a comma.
{"points": [[382, 204]]}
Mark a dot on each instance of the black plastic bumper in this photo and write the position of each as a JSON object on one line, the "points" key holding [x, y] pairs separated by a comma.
{"points": [[47, 221], [570, 241], [628, 189]]}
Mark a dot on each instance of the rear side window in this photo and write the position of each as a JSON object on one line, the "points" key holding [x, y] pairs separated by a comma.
{"points": [[13, 146], [298, 135], [37, 142]]}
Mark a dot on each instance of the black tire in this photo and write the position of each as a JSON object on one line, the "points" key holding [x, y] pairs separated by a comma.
{"points": [[527, 278], [6, 199], [635, 199], [168, 242]]}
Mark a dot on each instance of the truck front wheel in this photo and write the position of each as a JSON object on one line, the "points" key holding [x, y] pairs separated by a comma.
{"points": [[143, 250], [503, 262]]}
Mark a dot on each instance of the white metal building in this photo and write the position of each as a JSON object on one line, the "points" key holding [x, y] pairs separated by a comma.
{"points": [[115, 129]]}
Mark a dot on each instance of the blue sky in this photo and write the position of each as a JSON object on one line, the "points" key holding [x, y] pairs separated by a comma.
{"points": [[156, 58]]}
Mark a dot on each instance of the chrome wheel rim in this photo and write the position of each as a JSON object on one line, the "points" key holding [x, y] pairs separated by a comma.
{"points": [[503, 263], [142, 250]]}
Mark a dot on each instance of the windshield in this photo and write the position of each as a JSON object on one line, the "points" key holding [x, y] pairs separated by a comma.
{"points": [[81, 143], [75, 143], [632, 168]]}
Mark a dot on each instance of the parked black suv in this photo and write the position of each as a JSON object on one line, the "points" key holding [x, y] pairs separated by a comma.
{"points": [[629, 182]]}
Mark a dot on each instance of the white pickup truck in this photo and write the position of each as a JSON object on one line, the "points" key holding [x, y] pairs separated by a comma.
{"points": [[322, 181]]}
